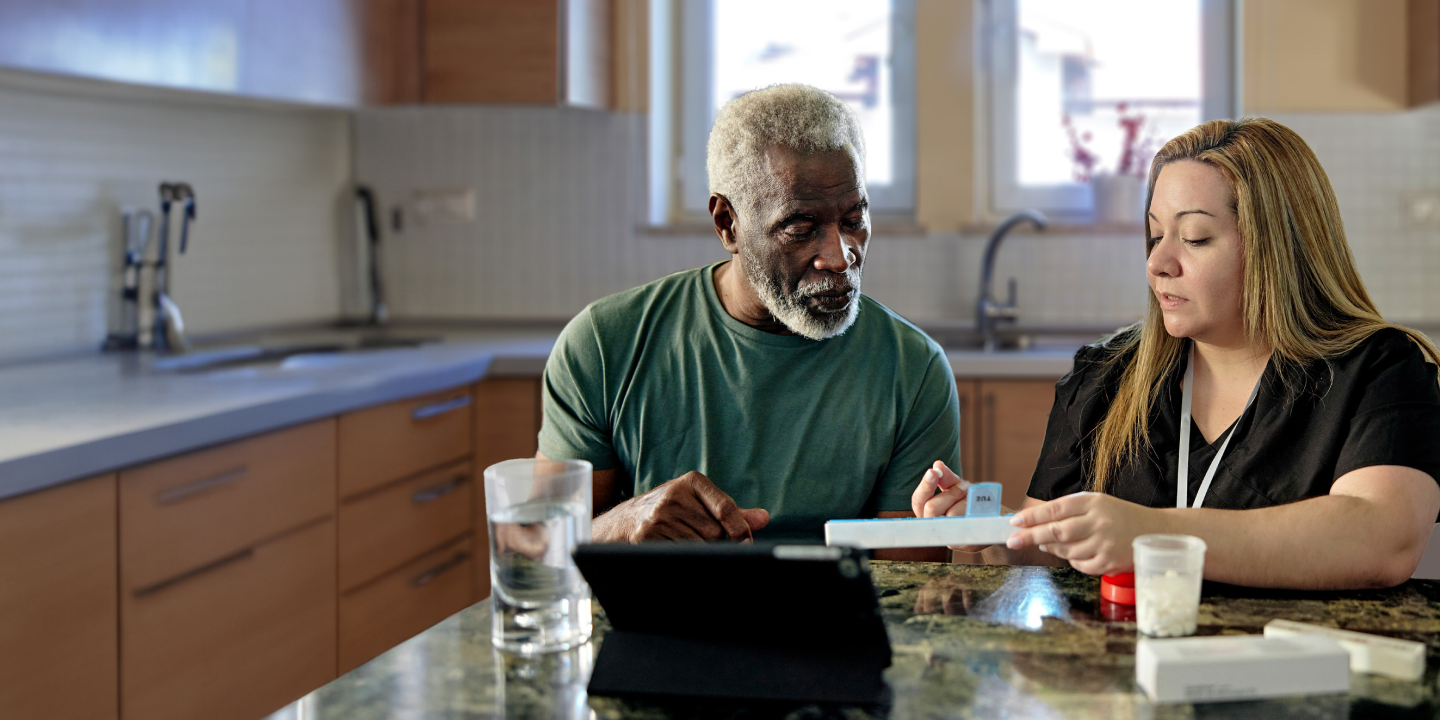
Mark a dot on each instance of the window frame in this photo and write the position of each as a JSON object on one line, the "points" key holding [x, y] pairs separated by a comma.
{"points": [[1072, 201], [691, 22]]}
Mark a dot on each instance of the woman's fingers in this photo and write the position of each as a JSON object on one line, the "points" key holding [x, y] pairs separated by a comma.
{"points": [[1065, 531], [939, 491], [944, 503], [948, 478], [929, 483], [1057, 509]]}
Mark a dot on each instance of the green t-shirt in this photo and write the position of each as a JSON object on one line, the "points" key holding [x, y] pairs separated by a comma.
{"points": [[660, 380]]}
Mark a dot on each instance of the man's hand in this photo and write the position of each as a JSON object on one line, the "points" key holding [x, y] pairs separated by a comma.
{"points": [[689, 507], [1091, 530]]}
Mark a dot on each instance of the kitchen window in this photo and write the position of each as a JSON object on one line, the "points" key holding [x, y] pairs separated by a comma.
{"points": [[860, 50], [1084, 90]]}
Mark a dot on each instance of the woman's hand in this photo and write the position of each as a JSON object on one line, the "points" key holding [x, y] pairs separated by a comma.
{"points": [[949, 502], [1091, 530]]}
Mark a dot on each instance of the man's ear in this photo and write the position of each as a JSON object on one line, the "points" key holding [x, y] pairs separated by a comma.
{"points": [[722, 213]]}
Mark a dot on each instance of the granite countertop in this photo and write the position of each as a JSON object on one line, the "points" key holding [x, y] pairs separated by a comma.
{"points": [[969, 641]]}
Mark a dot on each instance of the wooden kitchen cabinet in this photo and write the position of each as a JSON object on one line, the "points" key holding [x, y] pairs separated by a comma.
{"points": [[395, 607], [228, 577], [237, 639], [507, 425], [1002, 429], [1339, 55], [382, 444], [407, 483], [58, 628], [184, 512], [542, 52], [384, 529]]}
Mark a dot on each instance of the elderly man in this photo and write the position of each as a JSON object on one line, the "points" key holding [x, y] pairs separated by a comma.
{"points": [[763, 395]]}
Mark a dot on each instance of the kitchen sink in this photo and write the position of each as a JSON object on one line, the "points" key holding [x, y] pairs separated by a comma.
{"points": [[284, 355]]}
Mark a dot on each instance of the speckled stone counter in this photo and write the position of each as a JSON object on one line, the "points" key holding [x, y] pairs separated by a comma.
{"points": [[969, 642]]}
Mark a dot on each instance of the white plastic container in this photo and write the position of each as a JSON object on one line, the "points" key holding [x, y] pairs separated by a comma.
{"points": [[1168, 571]]}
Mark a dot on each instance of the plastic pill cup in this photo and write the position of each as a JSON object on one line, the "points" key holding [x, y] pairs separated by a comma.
{"points": [[1168, 570]]}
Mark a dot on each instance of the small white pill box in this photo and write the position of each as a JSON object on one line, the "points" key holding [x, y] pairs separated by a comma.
{"points": [[1403, 659], [1240, 667]]}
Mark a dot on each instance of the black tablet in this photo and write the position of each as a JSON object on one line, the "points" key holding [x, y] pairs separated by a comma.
{"points": [[763, 621]]}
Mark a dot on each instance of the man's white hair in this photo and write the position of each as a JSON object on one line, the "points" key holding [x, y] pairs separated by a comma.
{"points": [[799, 117]]}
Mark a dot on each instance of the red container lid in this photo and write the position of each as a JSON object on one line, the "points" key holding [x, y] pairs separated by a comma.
{"points": [[1118, 588]]}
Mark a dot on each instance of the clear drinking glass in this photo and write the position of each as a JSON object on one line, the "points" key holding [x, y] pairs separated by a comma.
{"points": [[537, 511], [1168, 571]]}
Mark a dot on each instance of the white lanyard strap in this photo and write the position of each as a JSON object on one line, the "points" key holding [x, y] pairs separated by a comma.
{"points": [[1182, 477]]}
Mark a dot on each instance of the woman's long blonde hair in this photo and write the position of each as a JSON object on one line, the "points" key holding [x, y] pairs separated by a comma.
{"points": [[1302, 295]]}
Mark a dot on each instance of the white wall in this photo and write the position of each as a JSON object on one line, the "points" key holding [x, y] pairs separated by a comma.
{"points": [[559, 196], [272, 185], [559, 211]]}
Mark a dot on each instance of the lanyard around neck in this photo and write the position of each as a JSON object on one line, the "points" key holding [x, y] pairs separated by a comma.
{"points": [[1182, 477]]}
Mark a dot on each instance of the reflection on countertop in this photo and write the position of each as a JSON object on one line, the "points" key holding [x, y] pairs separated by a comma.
{"points": [[969, 641]]}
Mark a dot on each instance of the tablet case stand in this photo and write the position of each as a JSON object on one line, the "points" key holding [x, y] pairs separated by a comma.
{"points": [[689, 623]]}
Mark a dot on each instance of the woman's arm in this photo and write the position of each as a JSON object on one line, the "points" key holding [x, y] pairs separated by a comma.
{"points": [[1370, 531]]}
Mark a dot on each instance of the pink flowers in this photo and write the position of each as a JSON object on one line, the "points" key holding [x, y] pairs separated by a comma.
{"points": [[1134, 152]]}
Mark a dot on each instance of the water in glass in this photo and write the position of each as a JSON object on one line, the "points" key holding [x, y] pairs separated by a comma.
{"points": [[540, 601]]}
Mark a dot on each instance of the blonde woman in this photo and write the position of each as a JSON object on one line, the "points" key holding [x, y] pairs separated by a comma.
{"points": [[1313, 425]]}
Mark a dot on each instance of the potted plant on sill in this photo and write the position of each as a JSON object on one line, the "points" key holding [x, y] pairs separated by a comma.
{"points": [[1117, 195]]}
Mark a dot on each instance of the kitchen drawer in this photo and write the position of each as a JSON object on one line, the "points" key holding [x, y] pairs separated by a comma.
{"points": [[389, 442], [381, 530], [185, 512], [235, 640], [58, 630], [394, 608]]}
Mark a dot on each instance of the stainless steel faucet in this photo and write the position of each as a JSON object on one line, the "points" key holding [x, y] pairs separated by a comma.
{"points": [[987, 310], [168, 333]]}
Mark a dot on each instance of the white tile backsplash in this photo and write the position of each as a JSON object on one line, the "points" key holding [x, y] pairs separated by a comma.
{"points": [[559, 196], [272, 185]]}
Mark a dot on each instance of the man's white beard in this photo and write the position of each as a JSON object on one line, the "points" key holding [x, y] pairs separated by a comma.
{"points": [[791, 310]]}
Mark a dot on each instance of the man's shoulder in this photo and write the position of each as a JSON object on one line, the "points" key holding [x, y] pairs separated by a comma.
{"points": [[887, 326], [624, 309]]}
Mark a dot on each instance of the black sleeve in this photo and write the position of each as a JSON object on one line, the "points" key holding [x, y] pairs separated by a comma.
{"points": [[1397, 418], [1059, 470]]}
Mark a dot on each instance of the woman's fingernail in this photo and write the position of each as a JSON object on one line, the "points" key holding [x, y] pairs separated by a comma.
{"points": [[1015, 520], [1013, 542], [1044, 549]]}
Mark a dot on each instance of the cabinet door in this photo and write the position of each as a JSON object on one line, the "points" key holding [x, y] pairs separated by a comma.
{"points": [[1013, 414], [235, 640], [507, 421], [383, 530], [969, 429], [1326, 55], [382, 444], [186, 512], [58, 629], [388, 611]]}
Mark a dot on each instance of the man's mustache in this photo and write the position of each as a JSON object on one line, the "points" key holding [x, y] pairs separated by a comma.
{"points": [[826, 287]]}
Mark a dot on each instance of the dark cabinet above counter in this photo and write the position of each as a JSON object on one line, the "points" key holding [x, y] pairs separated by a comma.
{"points": [[343, 53]]}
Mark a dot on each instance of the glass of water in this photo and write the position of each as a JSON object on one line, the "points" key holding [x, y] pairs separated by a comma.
{"points": [[537, 511]]}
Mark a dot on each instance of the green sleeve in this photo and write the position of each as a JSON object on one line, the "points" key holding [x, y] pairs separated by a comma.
{"points": [[929, 432], [576, 424]]}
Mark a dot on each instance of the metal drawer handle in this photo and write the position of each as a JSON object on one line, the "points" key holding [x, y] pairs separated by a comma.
{"points": [[428, 411], [455, 561], [177, 494], [435, 492], [245, 554]]}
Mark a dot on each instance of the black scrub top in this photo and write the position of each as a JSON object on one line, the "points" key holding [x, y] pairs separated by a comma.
{"points": [[1378, 404]]}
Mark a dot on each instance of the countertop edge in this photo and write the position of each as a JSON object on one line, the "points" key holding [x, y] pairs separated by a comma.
{"points": [[51, 468]]}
